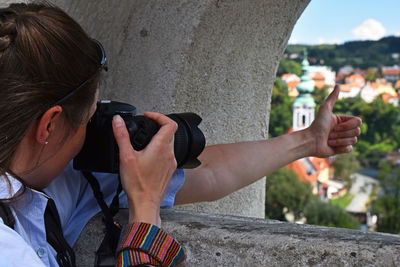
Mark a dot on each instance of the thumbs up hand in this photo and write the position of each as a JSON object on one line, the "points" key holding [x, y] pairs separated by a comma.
{"points": [[333, 134]]}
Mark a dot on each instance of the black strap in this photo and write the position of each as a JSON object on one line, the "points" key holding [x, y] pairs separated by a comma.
{"points": [[55, 237], [105, 255], [6, 215], [54, 234]]}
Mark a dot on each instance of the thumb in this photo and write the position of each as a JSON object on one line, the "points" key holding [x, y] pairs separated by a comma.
{"points": [[121, 136], [333, 97]]}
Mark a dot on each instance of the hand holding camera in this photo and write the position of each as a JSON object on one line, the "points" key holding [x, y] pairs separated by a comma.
{"points": [[145, 174]]}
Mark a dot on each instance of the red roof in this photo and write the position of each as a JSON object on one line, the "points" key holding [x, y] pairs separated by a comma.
{"points": [[386, 97], [394, 72], [301, 172], [355, 78], [319, 76], [397, 85]]}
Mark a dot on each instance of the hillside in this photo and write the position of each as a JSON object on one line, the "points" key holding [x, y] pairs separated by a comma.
{"points": [[362, 54]]}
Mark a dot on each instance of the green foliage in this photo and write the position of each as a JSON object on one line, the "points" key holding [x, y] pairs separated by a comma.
{"points": [[320, 95], [362, 54], [320, 213], [280, 117], [284, 189], [387, 205], [289, 66], [371, 75], [343, 201], [345, 165]]}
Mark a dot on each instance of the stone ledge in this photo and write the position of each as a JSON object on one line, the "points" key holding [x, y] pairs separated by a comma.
{"points": [[216, 240]]}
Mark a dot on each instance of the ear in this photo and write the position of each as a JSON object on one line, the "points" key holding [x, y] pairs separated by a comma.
{"points": [[46, 124]]}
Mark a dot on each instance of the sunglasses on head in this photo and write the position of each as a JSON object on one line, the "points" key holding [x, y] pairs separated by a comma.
{"points": [[103, 65]]}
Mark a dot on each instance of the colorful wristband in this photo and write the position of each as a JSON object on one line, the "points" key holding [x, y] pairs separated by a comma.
{"points": [[143, 243]]}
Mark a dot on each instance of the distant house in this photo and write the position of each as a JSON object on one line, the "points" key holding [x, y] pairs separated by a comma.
{"points": [[355, 79], [322, 74], [397, 85], [369, 92], [336, 188], [306, 171], [389, 99], [380, 88], [393, 158], [291, 81], [319, 80], [391, 74], [349, 90], [317, 172]]}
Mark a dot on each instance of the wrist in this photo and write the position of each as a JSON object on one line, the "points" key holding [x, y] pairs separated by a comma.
{"points": [[305, 143], [144, 211]]}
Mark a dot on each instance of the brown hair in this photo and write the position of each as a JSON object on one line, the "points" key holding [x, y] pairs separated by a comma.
{"points": [[44, 54]]}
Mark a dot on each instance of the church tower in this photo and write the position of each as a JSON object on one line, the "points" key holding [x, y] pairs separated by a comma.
{"points": [[304, 104]]}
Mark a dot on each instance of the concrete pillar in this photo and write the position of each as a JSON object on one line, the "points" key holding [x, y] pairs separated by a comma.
{"points": [[217, 58]]}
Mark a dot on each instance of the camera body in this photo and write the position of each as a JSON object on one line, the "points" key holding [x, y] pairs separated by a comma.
{"points": [[100, 151]]}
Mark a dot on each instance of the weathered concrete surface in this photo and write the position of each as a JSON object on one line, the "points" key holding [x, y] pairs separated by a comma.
{"points": [[216, 240], [217, 58]]}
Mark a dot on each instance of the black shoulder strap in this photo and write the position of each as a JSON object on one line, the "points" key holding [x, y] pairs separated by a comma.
{"points": [[55, 237], [6, 215], [105, 255], [54, 234]]}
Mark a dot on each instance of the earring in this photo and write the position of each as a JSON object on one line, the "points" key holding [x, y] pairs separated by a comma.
{"points": [[46, 142]]}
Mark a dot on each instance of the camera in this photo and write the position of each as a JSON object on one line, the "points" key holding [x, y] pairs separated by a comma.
{"points": [[100, 151]]}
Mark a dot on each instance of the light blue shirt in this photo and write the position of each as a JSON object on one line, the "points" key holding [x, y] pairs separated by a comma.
{"points": [[26, 245]]}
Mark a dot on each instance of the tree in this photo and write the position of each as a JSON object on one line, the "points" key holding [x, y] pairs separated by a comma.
{"points": [[388, 204], [321, 213], [285, 190], [345, 165], [280, 117], [289, 66], [320, 95], [371, 75]]}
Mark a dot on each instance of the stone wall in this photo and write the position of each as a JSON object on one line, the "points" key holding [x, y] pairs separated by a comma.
{"points": [[217, 58], [217, 240]]}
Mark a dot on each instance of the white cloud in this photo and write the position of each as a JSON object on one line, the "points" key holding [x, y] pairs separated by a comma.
{"points": [[370, 29], [397, 34]]}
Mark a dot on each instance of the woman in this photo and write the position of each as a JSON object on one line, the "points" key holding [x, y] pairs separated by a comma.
{"points": [[49, 72]]}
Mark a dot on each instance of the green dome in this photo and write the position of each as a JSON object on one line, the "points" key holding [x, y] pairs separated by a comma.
{"points": [[306, 85], [304, 100]]}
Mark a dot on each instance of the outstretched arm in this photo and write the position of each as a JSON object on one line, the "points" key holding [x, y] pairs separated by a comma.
{"points": [[229, 167]]}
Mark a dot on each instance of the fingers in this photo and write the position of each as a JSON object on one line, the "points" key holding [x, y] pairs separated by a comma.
{"points": [[122, 136], [345, 134], [347, 123], [343, 149], [342, 142], [168, 126]]}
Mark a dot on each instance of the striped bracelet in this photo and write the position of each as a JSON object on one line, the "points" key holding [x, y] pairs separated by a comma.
{"points": [[143, 243]]}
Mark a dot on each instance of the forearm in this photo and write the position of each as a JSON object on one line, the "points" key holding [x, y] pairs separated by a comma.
{"points": [[229, 167]]}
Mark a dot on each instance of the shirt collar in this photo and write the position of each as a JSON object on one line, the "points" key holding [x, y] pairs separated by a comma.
{"points": [[10, 188]]}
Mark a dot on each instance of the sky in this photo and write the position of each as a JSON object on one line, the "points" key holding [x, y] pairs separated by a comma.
{"points": [[338, 21]]}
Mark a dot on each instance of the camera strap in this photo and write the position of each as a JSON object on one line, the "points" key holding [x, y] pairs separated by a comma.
{"points": [[54, 234], [6, 215], [106, 253]]}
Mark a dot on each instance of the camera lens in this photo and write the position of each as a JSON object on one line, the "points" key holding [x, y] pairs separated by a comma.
{"points": [[100, 151]]}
